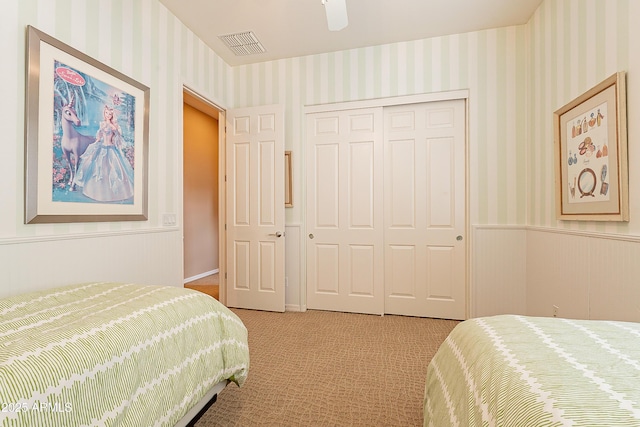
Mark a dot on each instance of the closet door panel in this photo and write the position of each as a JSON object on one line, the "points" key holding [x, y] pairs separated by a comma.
{"points": [[344, 211], [425, 210]]}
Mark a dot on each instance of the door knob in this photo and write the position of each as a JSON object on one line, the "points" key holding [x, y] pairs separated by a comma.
{"points": [[459, 238], [277, 234], [311, 236]]}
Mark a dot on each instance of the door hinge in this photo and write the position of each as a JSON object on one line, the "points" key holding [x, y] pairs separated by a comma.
{"points": [[225, 276], [225, 227]]}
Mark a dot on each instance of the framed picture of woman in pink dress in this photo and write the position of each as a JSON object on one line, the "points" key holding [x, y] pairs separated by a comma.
{"points": [[86, 137]]}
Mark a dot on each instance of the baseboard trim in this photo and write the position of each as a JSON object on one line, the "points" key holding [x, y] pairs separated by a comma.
{"points": [[293, 307], [200, 276]]}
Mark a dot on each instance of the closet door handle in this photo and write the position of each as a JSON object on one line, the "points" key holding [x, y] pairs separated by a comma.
{"points": [[311, 236], [277, 234]]}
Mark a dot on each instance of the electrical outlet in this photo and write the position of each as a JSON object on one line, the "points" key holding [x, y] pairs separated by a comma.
{"points": [[555, 311]]}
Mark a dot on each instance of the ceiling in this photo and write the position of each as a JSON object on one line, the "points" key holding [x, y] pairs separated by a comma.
{"points": [[290, 28]]}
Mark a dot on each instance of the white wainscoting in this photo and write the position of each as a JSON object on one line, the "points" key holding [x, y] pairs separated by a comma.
{"points": [[292, 271], [498, 271], [152, 256], [586, 275], [529, 270]]}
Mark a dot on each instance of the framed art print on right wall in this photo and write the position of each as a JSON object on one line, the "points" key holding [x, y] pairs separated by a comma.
{"points": [[592, 181]]}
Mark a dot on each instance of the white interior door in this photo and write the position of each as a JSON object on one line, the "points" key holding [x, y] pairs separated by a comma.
{"points": [[255, 208], [424, 238], [344, 211]]}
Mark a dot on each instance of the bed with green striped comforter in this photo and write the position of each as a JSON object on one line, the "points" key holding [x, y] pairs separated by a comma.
{"points": [[527, 371], [109, 354]]}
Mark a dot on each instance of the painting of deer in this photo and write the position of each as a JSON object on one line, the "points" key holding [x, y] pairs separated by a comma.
{"points": [[73, 143]]}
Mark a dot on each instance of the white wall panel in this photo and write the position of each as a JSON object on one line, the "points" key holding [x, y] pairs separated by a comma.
{"points": [[557, 274], [499, 271], [613, 282], [33, 264], [586, 275], [530, 270]]}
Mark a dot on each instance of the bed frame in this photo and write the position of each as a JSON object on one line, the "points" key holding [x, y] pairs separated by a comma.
{"points": [[195, 413]]}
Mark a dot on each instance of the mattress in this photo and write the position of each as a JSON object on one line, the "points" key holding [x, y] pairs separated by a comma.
{"points": [[107, 354], [526, 371]]}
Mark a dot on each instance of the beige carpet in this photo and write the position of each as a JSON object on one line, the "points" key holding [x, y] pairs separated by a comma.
{"points": [[331, 369]]}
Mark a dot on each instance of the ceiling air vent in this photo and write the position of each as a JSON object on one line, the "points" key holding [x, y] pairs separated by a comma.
{"points": [[244, 43]]}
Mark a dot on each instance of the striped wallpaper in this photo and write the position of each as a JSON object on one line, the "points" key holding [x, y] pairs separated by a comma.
{"points": [[575, 44], [516, 76], [139, 38], [491, 64]]}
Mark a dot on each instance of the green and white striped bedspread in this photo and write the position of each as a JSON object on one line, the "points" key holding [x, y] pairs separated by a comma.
{"points": [[108, 354], [527, 371]]}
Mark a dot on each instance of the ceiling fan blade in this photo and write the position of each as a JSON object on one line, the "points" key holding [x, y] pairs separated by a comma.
{"points": [[336, 14]]}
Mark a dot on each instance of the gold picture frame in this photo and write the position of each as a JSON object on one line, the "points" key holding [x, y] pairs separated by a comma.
{"points": [[591, 168], [86, 137], [288, 189]]}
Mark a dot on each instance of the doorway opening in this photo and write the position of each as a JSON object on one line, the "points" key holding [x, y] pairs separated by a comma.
{"points": [[201, 198]]}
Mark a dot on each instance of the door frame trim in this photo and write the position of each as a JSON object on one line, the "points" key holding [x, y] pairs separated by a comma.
{"points": [[218, 111], [462, 94], [389, 102]]}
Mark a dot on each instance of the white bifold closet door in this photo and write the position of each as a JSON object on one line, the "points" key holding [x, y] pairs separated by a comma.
{"points": [[386, 210]]}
